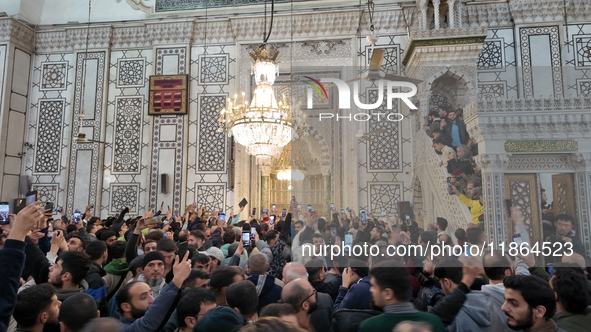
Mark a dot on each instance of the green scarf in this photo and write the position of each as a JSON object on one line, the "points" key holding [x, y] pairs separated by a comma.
{"points": [[117, 267]]}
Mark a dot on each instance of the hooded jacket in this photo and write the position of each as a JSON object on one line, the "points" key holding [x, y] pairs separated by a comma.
{"points": [[267, 290], [497, 294], [97, 288], [115, 270], [479, 313], [357, 296]]}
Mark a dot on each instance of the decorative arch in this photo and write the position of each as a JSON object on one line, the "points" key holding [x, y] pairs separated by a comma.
{"points": [[453, 84], [460, 76], [324, 147]]}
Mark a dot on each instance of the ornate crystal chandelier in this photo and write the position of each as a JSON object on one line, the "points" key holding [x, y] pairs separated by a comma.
{"points": [[288, 169], [264, 126]]}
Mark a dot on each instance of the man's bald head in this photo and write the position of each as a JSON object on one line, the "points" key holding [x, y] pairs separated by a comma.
{"points": [[293, 271], [295, 292]]}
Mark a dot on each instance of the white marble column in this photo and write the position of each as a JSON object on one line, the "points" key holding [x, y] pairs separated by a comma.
{"points": [[436, 4], [326, 191], [265, 186], [493, 190]]}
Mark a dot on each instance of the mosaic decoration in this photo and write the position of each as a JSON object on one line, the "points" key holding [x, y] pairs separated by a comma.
{"points": [[53, 76], [383, 153], [583, 47], [95, 123], [439, 42], [491, 90], [211, 153], [438, 98], [213, 69], [123, 195], [522, 190], [49, 136], [157, 144], [130, 73], [555, 47], [384, 197], [320, 47], [584, 87], [211, 196], [128, 133], [168, 94], [391, 58], [174, 5], [46, 192], [542, 146], [491, 56]]}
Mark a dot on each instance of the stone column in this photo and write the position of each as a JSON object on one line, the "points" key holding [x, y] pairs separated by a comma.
{"points": [[265, 186], [493, 190], [451, 22], [326, 191], [436, 4], [582, 162]]}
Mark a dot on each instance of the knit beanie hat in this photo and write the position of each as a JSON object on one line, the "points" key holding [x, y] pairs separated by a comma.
{"points": [[152, 256], [220, 319]]}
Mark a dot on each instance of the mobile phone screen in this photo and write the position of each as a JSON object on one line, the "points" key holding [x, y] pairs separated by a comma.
{"points": [[333, 231], [76, 217], [342, 211], [31, 197], [246, 239], [517, 239], [271, 219], [349, 209], [348, 240], [383, 213], [363, 218], [309, 208], [273, 207], [332, 206], [4, 212], [265, 211], [222, 217], [253, 230], [284, 212], [254, 211]]}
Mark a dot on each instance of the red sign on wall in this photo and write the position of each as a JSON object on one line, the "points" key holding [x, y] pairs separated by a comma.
{"points": [[168, 94]]}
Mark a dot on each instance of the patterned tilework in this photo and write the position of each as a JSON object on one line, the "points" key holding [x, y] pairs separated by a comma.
{"points": [[128, 133], [49, 136]]}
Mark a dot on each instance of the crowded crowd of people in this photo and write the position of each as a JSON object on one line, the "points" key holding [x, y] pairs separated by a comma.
{"points": [[201, 271]]}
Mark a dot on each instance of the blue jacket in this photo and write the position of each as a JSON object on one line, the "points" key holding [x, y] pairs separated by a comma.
{"points": [[12, 257], [267, 290], [157, 313], [357, 296]]}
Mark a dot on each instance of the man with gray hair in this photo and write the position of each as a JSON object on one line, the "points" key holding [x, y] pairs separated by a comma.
{"points": [[293, 271], [267, 289]]}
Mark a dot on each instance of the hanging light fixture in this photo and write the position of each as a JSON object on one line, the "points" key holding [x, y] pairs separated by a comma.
{"points": [[264, 126], [289, 170]]}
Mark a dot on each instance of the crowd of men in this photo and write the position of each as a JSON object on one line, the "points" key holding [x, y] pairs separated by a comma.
{"points": [[199, 272]]}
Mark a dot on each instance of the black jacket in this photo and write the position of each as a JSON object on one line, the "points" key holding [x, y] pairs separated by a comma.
{"points": [[331, 288], [461, 128], [97, 288], [12, 257]]}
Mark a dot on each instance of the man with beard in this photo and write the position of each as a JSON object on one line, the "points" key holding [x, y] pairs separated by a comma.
{"points": [[140, 311], [302, 296], [67, 275], [529, 304], [36, 306], [153, 272]]}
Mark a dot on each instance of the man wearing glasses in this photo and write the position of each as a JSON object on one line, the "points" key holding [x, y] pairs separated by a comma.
{"points": [[302, 296]]}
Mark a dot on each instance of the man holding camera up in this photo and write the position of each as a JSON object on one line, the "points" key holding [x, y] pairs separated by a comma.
{"points": [[565, 233]]}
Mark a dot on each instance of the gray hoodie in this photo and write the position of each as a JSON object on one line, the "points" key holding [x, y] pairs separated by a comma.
{"points": [[497, 293], [263, 247], [478, 314]]}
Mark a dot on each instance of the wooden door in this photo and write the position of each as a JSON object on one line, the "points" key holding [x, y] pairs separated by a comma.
{"points": [[563, 192], [523, 191]]}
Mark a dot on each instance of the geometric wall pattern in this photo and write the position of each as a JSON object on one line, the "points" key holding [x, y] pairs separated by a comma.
{"points": [[130, 72], [212, 143], [383, 152], [49, 136], [179, 54], [212, 196], [384, 197], [556, 60], [124, 195], [46, 192], [93, 123], [214, 69], [53, 76], [128, 133]]}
